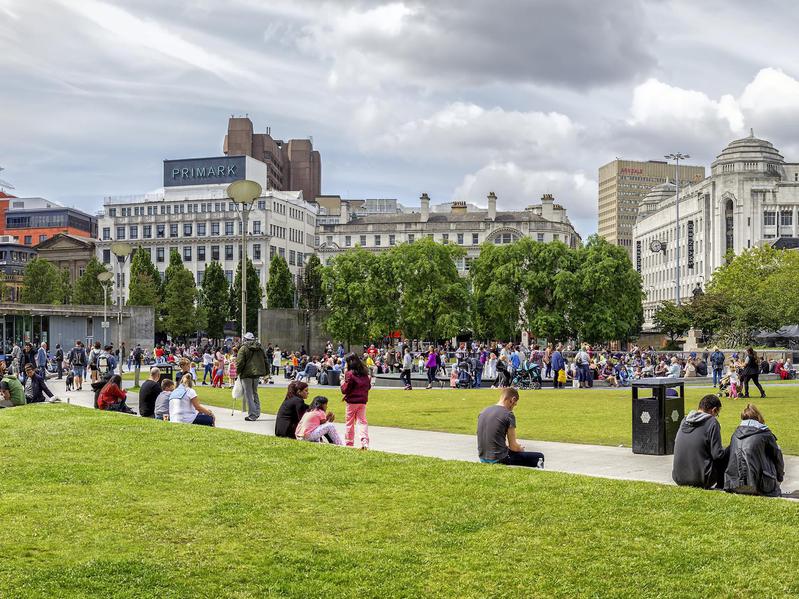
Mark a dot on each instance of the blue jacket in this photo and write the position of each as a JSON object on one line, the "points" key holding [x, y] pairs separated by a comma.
{"points": [[557, 361], [717, 360], [41, 358]]}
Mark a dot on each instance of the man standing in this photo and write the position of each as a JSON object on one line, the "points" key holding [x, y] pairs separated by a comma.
{"points": [[717, 363], [495, 425], [582, 359], [59, 360], [77, 361], [208, 362], [699, 458], [251, 366], [41, 360], [149, 392], [138, 357]]}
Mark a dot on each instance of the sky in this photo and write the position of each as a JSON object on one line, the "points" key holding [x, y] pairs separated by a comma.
{"points": [[452, 98]]}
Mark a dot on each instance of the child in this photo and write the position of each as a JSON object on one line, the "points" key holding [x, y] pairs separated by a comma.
{"points": [[317, 422], [734, 382], [232, 372], [219, 373], [162, 401], [453, 377]]}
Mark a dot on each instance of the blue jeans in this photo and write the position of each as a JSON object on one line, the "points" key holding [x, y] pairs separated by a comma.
{"points": [[207, 370], [478, 378], [716, 376], [204, 420], [582, 373]]}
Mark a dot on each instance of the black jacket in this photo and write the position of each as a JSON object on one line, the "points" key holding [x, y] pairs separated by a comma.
{"points": [[149, 392], [39, 388], [756, 465], [696, 448], [288, 417]]}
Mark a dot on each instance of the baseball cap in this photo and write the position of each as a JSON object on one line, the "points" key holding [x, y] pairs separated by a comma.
{"points": [[249, 336]]}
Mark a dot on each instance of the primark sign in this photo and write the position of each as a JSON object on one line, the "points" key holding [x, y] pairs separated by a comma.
{"points": [[204, 171]]}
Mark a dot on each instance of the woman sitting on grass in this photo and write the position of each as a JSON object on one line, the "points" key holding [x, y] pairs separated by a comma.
{"points": [[291, 410], [186, 408], [756, 465], [317, 422], [112, 396]]}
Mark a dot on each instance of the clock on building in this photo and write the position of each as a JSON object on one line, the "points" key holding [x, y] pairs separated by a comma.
{"points": [[656, 246]]}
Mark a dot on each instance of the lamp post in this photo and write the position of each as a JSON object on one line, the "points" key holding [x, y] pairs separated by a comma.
{"points": [[244, 193], [677, 156], [121, 250], [105, 278]]}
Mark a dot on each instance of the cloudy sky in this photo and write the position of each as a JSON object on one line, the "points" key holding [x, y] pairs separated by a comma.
{"points": [[455, 98]]}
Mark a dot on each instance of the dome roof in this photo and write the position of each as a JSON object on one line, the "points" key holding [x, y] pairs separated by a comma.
{"points": [[749, 149], [653, 198]]}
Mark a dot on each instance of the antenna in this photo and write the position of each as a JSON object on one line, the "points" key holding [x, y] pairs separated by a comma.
{"points": [[4, 184]]}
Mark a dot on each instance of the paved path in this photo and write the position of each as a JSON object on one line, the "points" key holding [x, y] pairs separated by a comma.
{"points": [[591, 460]]}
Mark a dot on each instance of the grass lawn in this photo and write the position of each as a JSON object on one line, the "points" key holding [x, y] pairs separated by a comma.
{"points": [[97, 504], [598, 416]]}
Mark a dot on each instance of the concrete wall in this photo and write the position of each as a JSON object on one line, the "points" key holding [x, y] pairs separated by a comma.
{"points": [[287, 329]]}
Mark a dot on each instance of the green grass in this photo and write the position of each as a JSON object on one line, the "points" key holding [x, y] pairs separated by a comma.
{"points": [[97, 504], [597, 416]]}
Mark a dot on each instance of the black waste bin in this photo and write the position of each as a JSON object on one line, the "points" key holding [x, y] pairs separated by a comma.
{"points": [[334, 378], [167, 372], [658, 408]]}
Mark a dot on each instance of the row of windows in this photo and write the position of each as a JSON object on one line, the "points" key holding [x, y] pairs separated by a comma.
{"points": [[501, 238], [16, 256], [132, 231], [202, 208], [161, 255], [770, 218]]}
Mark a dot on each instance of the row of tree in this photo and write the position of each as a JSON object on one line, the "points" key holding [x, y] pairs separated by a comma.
{"points": [[549, 289], [753, 291]]}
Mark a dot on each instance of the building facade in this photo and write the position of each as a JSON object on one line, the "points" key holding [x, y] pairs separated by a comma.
{"points": [[458, 225], [32, 220], [68, 252], [622, 185], [198, 220], [292, 165], [14, 257], [750, 198]]}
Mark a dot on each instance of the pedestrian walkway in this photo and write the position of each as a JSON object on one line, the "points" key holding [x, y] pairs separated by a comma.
{"points": [[591, 460]]}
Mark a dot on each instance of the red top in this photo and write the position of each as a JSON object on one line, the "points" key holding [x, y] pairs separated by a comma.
{"points": [[109, 395], [355, 388]]}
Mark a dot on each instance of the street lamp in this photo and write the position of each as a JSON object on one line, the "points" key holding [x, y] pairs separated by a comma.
{"points": [[104, 278], [244, 193], [121, 250], [677, 157]]}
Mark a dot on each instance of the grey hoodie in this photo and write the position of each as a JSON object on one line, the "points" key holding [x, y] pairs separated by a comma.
{"points": [[696, 448], [756, 465]]}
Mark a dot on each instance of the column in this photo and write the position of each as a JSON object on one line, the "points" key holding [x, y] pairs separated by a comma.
{"points": [[793, 221]]}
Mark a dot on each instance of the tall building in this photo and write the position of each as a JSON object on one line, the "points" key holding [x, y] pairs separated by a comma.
{"points": [[33, 220], [291, 166], [14, 257], [750, 198], [622, 185]]}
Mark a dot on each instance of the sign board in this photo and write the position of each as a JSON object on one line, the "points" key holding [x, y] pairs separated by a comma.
{"points": [[690, 244], [638, 255], [204, 171], [105, 324]]}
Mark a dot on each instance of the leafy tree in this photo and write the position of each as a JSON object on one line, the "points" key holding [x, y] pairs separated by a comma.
{"points": [[180, 295], [672, 319], [65, 286], [254, 297], [280, 286], [312, 296], [145, 282], [545, 279], [41, 283], [175, 265], [708, 312], [214, 296], [496, 292], [88, 289]]}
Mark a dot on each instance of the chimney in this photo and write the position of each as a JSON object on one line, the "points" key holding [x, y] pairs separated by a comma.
{"points": [[425, 201], [547, 209], [492, 206], [458, 207], [344, 212]]}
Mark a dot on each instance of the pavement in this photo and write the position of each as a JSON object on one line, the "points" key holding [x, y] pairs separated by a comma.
{"points": [[590, 460]]}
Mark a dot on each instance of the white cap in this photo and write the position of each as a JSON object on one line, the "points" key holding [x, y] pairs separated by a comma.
{"points": [[249, 336]]}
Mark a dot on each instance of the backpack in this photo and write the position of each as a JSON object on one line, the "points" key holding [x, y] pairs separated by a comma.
{"points": [[102, 363], [78, 357]]}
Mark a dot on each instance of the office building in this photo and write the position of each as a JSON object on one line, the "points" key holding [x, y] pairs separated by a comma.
{"points": [[32, 220], [622, 185], [14, 257]]}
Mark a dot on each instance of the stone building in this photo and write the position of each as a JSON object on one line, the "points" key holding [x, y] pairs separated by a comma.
{"points": [[68, 252]]}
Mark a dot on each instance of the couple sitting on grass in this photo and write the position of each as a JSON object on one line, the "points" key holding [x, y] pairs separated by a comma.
{"points": [[752, 464]]}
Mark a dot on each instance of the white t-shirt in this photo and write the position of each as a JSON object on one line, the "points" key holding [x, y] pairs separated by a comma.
{"points": [[180, 406]]}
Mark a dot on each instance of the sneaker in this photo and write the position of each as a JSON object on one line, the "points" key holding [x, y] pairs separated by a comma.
{"points": [[250, 419]]}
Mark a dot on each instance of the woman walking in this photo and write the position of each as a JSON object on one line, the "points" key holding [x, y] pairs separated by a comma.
{"points": [[432, 366], [355, 388], [750, 372]]}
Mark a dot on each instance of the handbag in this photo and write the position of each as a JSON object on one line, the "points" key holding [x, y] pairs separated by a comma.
{"points": [[561, 376], [238, 389]]}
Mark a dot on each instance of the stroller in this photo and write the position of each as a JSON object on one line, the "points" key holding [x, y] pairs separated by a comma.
{"points": [[465, 376], [724, 386], [528, 376]]}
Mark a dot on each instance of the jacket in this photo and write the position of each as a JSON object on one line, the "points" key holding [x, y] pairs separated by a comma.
{"points": [[17, 391], [717, 360], [110, 395], [751, 366], [756, 465], [251, 360], [288, 417], [557, 361], [40, 388], [355, 388], [696, 448]]}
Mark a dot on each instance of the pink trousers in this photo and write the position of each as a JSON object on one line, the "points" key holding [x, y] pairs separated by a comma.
{"points": [[356, 411]]}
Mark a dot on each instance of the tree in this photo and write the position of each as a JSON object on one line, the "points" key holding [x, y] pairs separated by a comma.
{"points": [[672, 319], [41, 283], [280, 286], [65, 286], [312, 296], [88, 290], [708, 312], [545, 268], [180, 295], [496, 294], [145, 282], [214, 296], [348, 282], [254, 297]]}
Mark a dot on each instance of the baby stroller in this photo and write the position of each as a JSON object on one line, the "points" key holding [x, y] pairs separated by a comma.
{"points": [[528, 376], [724, 386], [465, 377], [503, 375]]}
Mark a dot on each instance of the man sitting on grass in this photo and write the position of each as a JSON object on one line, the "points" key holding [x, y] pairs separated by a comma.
{"points": [[699, 458], [496, 424], [11, 391]]}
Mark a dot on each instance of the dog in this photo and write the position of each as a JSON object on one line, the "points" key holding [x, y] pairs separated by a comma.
{"points": [[70, 381]]}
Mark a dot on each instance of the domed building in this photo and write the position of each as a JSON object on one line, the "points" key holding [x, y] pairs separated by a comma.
{"points": [[750, 198]]}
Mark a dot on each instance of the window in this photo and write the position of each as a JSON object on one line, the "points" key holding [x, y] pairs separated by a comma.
{"points": [[281, 252], [159, 231], [377, 239], [271, 252], [200, 229], [159, 254], [445, 238], [300, 258], [292, 257], [540, 238], [392, 240], [134, 232], [214, 252], [187, 230], [460, 238], [214, 229], [411, 237], [506, 237], [147, 231], [363, 240], [261, 205], [112, 212], [347, 241], [229, 276], [201, 253], [228, 252], [200, 276], [329, 240], [106, 233], [187, 253], [256, 227], [555, 237], [256, 251], [769, 218], [120, 232], [786, 218], [229, 227], [106, 256]]}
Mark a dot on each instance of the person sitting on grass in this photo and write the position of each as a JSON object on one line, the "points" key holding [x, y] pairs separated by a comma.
{"points": [[756, 466], [112, 396], [34, 385], [317, 422], [496, 434], [699, 457], [186, 408], [13, 392], [291, 410], [161, 410]]}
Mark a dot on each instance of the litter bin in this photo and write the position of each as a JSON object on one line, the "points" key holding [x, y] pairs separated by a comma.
{"points": [[658, 408], [334, 378], [166, 372]]}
